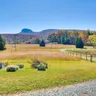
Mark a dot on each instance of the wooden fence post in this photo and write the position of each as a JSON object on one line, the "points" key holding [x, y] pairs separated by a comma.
{"points": [[76, 53], [86, 56], [81, 55], [91, 58]]}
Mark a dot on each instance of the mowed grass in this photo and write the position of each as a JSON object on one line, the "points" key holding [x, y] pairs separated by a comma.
{"points": [[63, 70]]}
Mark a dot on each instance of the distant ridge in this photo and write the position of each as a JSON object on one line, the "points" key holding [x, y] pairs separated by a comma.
{"points": [[43, 33], [27, 35]]}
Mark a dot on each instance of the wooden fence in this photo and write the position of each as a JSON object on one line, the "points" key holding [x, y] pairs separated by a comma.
{"points": [[83, 55]]}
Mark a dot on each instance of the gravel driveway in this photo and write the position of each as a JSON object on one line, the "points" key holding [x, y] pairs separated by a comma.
{"points": [[83, 89]]}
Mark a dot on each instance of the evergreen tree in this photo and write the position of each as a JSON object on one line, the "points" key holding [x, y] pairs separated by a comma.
{"points": [[42, 44], [65, 39], [79, 43], [2, 43]]}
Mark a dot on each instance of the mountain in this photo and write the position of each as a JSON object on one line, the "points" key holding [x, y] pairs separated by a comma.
{"points": [[28, 36], [43, 33], [26, 31], [46, 32]]}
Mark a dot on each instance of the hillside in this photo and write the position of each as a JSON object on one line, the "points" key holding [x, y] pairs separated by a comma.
{"points": [[43, 33], [19, 38], [28, 36]]}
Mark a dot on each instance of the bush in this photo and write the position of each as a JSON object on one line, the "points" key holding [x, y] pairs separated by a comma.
{"points": [[21, 66], [46, 65], [2, 43], [6, 64], [79, 43], [42, 44], [41, 67], [35, 62], [12, 68]]}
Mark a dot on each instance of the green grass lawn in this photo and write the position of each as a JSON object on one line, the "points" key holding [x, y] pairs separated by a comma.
{"points": [[60, 72]]}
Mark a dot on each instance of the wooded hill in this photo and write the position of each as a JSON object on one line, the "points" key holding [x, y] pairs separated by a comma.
{"points": [[60, 36]]}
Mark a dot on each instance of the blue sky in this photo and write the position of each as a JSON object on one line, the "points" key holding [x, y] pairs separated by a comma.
{"points": [[47, 14]]}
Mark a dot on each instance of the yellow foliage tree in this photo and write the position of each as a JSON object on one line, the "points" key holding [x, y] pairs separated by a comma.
{"points": [[92, 40]]}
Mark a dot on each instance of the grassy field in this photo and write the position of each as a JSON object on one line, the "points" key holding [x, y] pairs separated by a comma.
{"points": [[63, 69]]}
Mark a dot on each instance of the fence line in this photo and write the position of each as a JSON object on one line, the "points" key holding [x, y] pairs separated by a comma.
{"points": [[83, 55]]}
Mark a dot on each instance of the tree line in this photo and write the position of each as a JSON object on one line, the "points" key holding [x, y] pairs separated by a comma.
{"points": [[65, 37], [77, 38]]}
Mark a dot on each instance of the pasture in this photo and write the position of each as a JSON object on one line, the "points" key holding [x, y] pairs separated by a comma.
{"points": [[62, 68]]}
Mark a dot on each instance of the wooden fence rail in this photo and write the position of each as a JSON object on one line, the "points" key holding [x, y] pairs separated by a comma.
{"points": [[83, 55]]}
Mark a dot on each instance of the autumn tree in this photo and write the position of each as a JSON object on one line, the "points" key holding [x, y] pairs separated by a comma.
{"points": [[92, 40]]}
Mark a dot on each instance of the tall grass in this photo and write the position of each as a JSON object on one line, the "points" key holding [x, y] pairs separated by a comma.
{"points": [[62, 68]]}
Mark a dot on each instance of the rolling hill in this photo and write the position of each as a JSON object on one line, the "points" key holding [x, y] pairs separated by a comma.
{"points": [[43, 33], [28, 36]]}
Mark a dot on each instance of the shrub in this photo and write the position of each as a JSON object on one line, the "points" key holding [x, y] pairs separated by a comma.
{"points": [[79, 43], [46, 65], [41, 67], [21, 66], [35, 62], [6, 64], [2, 43], [12, 68], [42, 44]]}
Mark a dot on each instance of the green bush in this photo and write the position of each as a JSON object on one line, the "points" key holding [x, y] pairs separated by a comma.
{"points": [[41, 67], [12, 68], [46, 65], [42, 44], [79, 43], [21, 66], [2, 43]]}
